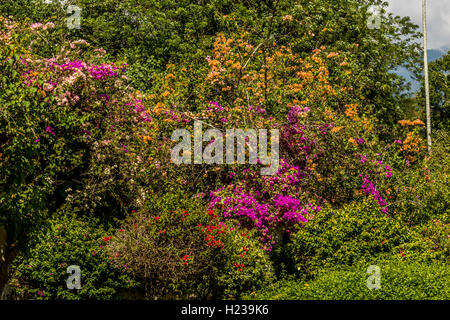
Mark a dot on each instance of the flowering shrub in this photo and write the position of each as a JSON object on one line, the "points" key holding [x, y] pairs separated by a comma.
{"points": [[267, 203], [423, 192], [72, 122], [181, 254], [41, 273], [76, 137]]}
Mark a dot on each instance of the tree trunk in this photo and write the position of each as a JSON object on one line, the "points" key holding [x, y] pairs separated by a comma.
{"points": [[7, 256]]}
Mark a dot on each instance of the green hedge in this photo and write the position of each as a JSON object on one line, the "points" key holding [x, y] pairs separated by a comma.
{"points": [[41, 271], [355, 233], [399, 281]]}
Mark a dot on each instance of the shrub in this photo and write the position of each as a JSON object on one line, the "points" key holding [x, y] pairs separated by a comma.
{"points": [[183, 254], [430, 243], [75, 134], [41, 271], [355, 233], [425, 186], [399, 281]]}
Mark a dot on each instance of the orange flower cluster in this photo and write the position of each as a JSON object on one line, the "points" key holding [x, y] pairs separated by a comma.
{"points": [[241, 74], [351, 110], [412, 144], [9, 26], [332, 54], [416, 122]]}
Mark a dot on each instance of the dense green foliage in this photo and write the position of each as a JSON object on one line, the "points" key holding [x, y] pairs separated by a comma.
{"points": [[399, 281], [87, 177], [41, 271], [439, 74], [150, 34], [354, 234]]}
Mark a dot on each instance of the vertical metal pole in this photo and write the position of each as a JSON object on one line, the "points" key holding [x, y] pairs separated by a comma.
{"points": [[425, 63]]}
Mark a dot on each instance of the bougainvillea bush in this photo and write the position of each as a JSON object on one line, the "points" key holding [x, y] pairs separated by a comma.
{"points": [[87, 177]]}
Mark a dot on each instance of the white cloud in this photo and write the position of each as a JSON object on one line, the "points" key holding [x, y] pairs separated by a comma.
{"points": [[438, 18]]}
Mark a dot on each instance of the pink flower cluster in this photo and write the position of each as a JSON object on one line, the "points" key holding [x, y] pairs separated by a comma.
{"points": [[369, 188], [216, 105], [267, 203], [49, 130], [38, 25], [139, 108], [103, 71], [388, 172], [293, 211], [98, 72]]}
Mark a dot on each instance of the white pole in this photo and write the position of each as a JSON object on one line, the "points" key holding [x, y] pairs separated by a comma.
{"points": [[425, 63]]}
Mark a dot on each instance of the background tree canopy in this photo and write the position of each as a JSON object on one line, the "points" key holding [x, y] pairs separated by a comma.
{"points": [[151, 34]]}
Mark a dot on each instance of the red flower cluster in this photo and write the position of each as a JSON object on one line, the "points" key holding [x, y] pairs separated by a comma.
{"points": [[240, 266], [186, 259], [243, 254], [211, 233], [106, 239], [245, 235], [212, 214], [185, 214]]}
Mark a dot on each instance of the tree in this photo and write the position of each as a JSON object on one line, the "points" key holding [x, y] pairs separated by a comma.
{"points": [[150, 34], [439, 75]]}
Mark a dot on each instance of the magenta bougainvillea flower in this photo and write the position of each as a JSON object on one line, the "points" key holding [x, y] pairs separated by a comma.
{"points": [[369, 189], [49, 130]]}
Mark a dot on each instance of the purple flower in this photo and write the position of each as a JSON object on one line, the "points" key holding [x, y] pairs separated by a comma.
{"points": [[293, 114], [369, 188], [217, 106], [49, 130], [360, 140], [103, 71]]}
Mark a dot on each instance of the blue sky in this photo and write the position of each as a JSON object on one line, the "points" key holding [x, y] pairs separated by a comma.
{"points": [[438, 16]]}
